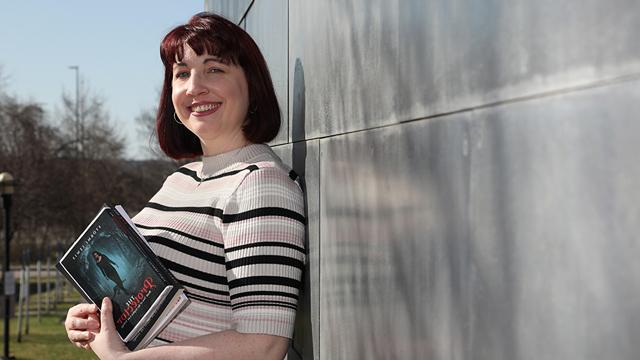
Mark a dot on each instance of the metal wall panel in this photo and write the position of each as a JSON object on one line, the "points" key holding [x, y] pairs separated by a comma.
{"points": [[267, 23], [505, 233], [393, 244], [375, 62], [554, 226], [231, 9], [304, 158]]}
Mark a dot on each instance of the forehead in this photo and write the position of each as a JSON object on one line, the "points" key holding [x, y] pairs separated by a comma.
{"points": [[187, 55]]}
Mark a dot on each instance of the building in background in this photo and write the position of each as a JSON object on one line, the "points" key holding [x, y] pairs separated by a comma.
{"points": [[472, 177]]}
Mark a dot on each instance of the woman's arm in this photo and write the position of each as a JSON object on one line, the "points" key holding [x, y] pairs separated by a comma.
{"points": [[223, 345]]}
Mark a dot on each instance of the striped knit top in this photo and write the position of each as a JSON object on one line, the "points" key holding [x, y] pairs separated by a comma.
{"points": [[231, 230]]}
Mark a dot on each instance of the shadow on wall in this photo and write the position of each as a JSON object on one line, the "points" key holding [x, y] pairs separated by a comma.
{"points": [[303, 336]]}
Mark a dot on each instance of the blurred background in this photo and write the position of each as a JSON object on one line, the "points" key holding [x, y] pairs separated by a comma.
{"points": [[79, 84], [470, 167]]}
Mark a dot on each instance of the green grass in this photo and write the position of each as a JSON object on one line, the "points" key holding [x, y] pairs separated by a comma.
{"points": [[47, 339]]}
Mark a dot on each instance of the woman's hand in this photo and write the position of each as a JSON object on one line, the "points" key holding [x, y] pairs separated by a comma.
{"points": [[82, 321], [106, 342]]}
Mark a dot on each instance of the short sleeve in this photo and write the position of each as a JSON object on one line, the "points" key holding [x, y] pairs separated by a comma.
{"points": [[263, 230]]}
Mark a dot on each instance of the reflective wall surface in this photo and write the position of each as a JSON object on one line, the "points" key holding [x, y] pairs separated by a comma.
{"points": [[554, 227], [379, 62], [470, 170], [234, 9], [268, 26]]}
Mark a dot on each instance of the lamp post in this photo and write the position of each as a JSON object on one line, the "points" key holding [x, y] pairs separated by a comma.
{"points": [[6, 189], [79, 129]]}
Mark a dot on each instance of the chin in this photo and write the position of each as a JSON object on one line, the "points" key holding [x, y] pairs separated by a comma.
{"points": [[204, 132]]}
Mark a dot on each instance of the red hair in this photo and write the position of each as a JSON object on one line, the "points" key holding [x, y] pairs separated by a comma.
{"points": [[214, 35]]}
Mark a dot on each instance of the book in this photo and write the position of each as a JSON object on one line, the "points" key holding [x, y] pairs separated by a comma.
{"points": [[111, 258]]}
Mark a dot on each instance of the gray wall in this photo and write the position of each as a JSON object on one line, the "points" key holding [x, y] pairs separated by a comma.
{"points": [[473, 188]]}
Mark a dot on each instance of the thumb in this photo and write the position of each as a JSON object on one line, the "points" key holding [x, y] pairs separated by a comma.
{"points": [[106, 316]]}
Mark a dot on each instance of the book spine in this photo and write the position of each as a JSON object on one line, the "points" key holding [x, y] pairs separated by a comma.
{"points": [[133, 343]]}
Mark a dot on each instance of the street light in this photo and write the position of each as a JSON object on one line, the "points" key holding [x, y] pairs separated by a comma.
{"points": [[6, 189], [79, 131]]}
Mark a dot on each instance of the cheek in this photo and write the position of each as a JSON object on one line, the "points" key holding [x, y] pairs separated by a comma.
{"points": [[240, 89], [175, 99], [242, 94]]}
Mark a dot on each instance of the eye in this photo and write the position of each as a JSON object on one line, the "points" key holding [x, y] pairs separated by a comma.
{"points": [[182, 74], [214, 70]]}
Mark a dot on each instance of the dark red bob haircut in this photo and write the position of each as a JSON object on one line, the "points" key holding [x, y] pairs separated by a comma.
{"points": [[211, 34]]}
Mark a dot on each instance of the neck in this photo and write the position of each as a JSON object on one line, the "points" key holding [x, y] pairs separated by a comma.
{"points": [[213, 148]]}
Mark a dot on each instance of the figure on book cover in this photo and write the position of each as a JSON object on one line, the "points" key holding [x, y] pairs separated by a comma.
{"points": [[106, 265]]}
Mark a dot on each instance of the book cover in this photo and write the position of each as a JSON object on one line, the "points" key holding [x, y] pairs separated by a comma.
{"points": [[110, 259]]}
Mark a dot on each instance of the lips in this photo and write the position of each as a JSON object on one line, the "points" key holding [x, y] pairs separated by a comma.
{"points": [[203, 109]]}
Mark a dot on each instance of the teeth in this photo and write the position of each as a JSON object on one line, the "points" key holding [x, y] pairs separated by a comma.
{"points": [[203, 108]]}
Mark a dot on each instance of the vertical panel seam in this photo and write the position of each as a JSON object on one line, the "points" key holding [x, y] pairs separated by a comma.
{"points": [[289, 137], [319, 252]]}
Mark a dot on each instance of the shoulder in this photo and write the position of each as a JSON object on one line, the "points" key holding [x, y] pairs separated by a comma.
{"points": [[266, 174], [269, 186], [190, 170], [272, 179], [267, 170]]}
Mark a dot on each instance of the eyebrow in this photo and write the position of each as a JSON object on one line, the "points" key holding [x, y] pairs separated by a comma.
{"points": [[209, 59]]}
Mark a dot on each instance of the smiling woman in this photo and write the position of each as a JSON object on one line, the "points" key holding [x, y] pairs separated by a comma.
{"points": [[211, 54], [230, 226], [211, 99]]}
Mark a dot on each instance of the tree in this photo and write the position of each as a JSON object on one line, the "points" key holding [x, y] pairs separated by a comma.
{"points": [[26, 144], [89, 155], [146, 128], [87, 131], [65, 172]]}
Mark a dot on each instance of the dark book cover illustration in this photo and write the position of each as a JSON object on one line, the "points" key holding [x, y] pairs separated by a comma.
{"points": [[110, 260]]}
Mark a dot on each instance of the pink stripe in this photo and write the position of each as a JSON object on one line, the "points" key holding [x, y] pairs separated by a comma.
{"points": [[209, 313], [263, 320], [291, 238], [287, 299], [202, 226]]}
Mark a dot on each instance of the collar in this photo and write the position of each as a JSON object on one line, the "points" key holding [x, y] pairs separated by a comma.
{"points": [[213, 164]]}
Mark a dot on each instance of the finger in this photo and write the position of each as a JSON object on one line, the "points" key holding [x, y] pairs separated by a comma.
{"points": [[79, 336], [106, 317], [82, 310], [75, 323]]}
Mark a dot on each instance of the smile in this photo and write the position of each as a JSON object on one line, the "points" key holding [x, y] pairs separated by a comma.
{"points": [[204, 109]]}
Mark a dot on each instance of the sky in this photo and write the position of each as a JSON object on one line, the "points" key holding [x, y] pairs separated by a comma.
{"points": [[115, 44]]}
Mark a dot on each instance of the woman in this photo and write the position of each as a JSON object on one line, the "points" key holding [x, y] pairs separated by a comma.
{"points": [[107, 268], [229, 227]]}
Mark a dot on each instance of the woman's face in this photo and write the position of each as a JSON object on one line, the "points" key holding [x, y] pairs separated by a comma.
{"points": [[211, 99]]}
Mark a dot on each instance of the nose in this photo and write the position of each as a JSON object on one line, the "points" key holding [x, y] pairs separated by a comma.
{"points": [[196, 85]]}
